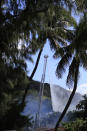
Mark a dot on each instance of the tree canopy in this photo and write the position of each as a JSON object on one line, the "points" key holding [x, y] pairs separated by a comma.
{"points": [[25, 25]]}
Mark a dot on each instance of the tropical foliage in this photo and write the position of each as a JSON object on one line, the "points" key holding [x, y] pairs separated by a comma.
{"points": [[73, 56], [80, 112], [77, 125], [77, 118], [24, 28]]}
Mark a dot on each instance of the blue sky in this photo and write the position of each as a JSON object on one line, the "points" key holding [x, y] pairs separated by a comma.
{"points": [[51, 68]]}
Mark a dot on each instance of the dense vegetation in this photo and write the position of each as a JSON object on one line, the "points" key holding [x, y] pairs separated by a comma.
{"points": [[78, 118], [25, 25], [77, 125]]}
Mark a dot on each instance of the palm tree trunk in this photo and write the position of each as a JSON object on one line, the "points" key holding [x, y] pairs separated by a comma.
{"points": [[32, 75], [36, 65], [70, 98]]}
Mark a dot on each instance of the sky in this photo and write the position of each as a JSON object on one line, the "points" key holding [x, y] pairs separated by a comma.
{"points": [[51, 69]]}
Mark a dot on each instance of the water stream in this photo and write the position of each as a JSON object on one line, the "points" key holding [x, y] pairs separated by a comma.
{"points": [[37, 118]]}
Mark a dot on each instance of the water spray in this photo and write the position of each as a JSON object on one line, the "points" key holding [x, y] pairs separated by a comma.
{"points": [[37, 118]]}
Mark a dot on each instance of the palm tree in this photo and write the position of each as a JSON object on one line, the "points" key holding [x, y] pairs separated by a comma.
{"points": [[74, 56], [53, 27]]}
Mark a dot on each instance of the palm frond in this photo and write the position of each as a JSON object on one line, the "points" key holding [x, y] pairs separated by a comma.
{"points": [[72, 70], [54, 44], [81, 5], [63, 50], [83, 59], [61, 68], [58, 53], [69, 4]]}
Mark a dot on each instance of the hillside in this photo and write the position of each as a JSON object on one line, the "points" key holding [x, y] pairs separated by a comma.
{"points": [[59, 96], [35, 87], [48, 106]]}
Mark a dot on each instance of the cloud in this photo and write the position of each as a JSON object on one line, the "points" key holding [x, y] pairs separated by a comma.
{"points": [[82, 89], [83, 85]]}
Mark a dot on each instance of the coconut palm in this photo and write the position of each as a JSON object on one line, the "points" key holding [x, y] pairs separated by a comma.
{"points": [[73, 56], [53, 28], [19, 18]]}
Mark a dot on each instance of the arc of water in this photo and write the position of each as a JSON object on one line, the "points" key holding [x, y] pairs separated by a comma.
{"points": [[51, 80], [42, 87], [53, 90], [37, 119]]}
